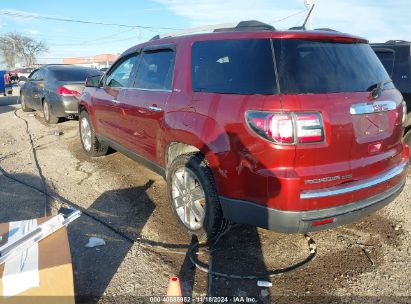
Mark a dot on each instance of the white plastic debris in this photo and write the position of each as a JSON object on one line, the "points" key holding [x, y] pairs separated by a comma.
{"points": [[31, 115], [264, 284], [94, 242]]}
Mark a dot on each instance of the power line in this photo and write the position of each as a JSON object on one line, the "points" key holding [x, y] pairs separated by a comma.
{"points": [[292, 15], [100, 40], [96, 43], [21, 15]]}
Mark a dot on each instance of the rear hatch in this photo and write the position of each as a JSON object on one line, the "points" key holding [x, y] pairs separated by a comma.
{"points": [[361, 133]]}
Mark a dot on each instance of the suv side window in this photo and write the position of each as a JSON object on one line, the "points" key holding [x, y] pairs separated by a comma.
{"points": [[233, 66], [155, 71], [120, 75]]}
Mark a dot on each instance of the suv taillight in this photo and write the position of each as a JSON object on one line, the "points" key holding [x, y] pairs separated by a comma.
{"points": [[63, 91], [404, 113], [287, 128], [309, 127], [280, 128]]}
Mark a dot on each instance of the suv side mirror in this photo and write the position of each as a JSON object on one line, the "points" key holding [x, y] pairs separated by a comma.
{"points": [[93, 81]]}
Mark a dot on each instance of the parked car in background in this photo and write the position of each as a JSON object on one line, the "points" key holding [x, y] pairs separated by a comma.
{"points": [[23, 72], [54, 90], [395, 55], [292, 131]]}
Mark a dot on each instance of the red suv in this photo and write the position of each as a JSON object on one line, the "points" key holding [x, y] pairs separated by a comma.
{"points": [[293, 131]]}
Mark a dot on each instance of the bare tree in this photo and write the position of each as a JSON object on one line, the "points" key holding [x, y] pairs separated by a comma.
{"points": [[8, 52], [15, 47]]}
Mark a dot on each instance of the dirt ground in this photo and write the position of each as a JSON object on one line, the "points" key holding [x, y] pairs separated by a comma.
{"points": [[365, 262]]}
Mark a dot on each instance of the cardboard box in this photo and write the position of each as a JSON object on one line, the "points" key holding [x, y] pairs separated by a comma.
{"points": [[55, 272]]}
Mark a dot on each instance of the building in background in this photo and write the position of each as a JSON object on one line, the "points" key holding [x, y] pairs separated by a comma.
{"points": [[97, 61]]}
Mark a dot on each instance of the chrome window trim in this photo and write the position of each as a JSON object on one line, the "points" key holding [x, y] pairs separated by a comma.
{"points": [[354, 186], [374, 107], [151, 90]]}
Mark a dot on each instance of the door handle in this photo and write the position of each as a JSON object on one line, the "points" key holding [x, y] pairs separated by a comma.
{"points": [[115, 101], [155, 109]]}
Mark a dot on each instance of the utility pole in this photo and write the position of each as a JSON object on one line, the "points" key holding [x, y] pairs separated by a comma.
{"points": [[309, 4]]}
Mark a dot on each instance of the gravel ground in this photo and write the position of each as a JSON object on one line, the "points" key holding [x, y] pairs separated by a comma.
{"points": [[365, 262]]}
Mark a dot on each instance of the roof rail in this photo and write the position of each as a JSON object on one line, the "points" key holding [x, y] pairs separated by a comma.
{"points": [[246, 26], [300, 28], [397, 42], [296, 28], [325, 29], [242, 26]]}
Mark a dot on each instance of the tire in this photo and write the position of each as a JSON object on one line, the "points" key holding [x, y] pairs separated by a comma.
{"points": [[212, 221], [48, 115], [24, 107], [91, 146]]}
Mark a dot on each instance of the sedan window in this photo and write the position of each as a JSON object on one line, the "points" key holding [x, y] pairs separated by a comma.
{"points": [[33, 75]]}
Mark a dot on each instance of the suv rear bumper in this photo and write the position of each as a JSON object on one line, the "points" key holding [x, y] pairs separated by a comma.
{"points": [[302, 221]]}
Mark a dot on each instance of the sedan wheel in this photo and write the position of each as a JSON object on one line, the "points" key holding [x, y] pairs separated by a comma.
{"points": [[48, 115], [46, 111], [23, 104]]}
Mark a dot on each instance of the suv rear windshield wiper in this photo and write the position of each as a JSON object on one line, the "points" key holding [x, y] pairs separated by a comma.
{"points": [[377, 88]]}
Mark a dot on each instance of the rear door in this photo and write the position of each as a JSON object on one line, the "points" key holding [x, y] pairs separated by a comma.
{"points": [[362, 135], [27, 89], [37, 89], [107, 98], [143, 106]]}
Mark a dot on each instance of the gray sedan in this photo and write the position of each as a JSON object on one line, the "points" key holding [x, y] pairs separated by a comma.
{"points": [[54, 90]]}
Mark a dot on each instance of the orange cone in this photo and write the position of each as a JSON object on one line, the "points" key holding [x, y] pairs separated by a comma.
{"points": [[174, 288]]}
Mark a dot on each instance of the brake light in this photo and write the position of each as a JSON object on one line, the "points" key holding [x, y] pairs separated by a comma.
{"points": [[260, 123], [63, 91], [280, 128], [309, 128], [404, 112], [287, 128]]}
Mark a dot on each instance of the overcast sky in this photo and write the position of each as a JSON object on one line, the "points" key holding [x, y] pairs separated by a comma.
{"points": [[377, 21]]}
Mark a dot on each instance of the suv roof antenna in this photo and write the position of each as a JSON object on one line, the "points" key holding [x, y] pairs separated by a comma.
{"points": [[303, 28], [309, 4], [308, 17]]}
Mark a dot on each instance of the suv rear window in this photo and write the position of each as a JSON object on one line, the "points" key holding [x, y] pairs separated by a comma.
{"points": [[307, 66], [233, 66]]}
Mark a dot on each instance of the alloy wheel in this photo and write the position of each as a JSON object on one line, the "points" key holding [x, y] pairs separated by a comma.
{"points": [[188, 198], [85, 132], [46, 111]]}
